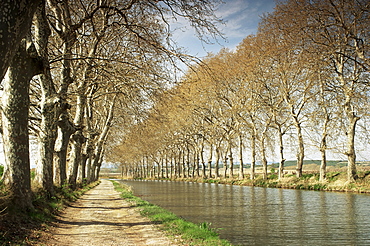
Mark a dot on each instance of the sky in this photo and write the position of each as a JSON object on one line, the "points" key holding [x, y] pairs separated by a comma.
{"points": [[241, 19]]}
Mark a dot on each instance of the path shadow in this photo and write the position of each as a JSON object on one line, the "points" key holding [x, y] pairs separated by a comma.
{"points": [[105, 223], [97, 207]]}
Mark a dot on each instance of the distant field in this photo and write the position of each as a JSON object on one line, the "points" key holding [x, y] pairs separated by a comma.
{"points": [[335, 163]]}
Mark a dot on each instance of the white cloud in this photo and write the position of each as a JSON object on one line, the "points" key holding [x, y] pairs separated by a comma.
{"points": [[241, 19], [242, 16]]}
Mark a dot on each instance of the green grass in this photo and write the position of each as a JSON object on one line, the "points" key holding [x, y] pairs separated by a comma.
{"points": [[192, 234]]}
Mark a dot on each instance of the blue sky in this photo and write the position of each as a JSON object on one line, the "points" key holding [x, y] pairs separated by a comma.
{"points": [[241, 19]]}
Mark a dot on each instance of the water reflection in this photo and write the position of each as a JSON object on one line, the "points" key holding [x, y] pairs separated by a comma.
{"points": [[263, 216]]}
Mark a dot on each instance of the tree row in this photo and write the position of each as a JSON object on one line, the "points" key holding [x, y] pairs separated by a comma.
{"points": [[78, 69], [301, 82]]}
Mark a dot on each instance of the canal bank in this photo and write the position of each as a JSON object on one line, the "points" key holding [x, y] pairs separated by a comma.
{"points": [[335, 181]]}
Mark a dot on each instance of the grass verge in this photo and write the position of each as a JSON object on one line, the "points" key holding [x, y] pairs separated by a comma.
{"points": [[19, 228], [191, 234]]}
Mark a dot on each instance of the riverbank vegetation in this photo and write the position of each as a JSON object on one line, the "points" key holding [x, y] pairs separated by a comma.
{"points": [[336, 181], [188, 233], [298, 87]]}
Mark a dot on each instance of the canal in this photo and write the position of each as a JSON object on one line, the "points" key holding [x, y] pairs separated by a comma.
{"points": [[265, 216]]}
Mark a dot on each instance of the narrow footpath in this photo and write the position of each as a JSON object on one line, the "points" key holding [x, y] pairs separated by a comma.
{"points": [[102, 217]]}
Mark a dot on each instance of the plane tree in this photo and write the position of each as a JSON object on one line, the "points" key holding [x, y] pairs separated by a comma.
{"points": [[339, 30]]}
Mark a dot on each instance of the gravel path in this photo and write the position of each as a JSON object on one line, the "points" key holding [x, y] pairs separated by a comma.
{"points": [[101, 217]]}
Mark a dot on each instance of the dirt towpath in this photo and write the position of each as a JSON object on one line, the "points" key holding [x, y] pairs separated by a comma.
{"points": [[101, 217]]}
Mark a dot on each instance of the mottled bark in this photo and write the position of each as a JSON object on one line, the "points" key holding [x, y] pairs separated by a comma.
{"points": [[196, 163], [188, 160], [201, 152], [263, 158], [241, 167], [65, 130], [167, 167], [225, 164], [78, 138], [49, 105], [231, 160], [217, 161], [100, 161], [15, 108], [85, 171], [55, 103], [323, 165], [351, 131], [210, 161], [253, 154], [300, 153], [15, 21], [281, 152], [323, 148], [183, 164], [175, 169], [171, 167], [75, 156], [263, 147]]}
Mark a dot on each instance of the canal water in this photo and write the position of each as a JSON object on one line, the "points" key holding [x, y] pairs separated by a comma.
{"points": [[265, 216]]}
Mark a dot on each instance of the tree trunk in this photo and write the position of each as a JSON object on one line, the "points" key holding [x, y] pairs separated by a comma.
{"points": [[300, 153], [75, 157], [175, 166], [351, 153], [323, 166], [231, 161], [323, 147], [81, 177], [15, 108], [264, 160], [196, 162], [65, 130], [90, 136], [281, 148], [100, 163], [183, 164], [204, 173], [15, 22], [171, 166], [225, 163], [78, 137], [188, 161], [217, 163], [210, 161], [50, 106], [167, 167], [89, 158], [253, 153], [241, 167], [46, 137]]}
